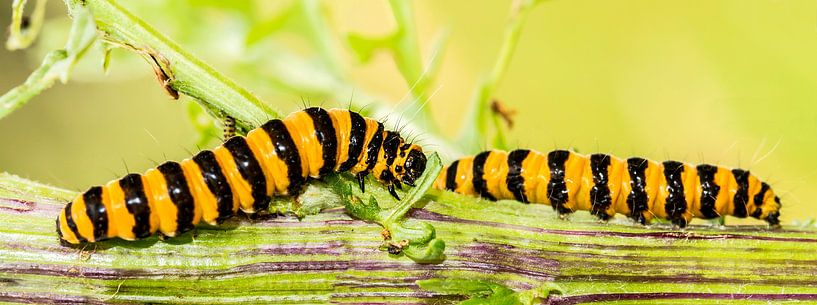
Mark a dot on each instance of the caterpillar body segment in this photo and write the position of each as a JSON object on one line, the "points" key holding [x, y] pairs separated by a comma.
{"points": [[604, 185], [241, 174]]}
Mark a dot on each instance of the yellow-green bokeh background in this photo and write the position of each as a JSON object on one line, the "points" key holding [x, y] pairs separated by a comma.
{"points": [[710, 80]]}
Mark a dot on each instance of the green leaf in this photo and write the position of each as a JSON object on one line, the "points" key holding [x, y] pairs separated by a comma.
{"points": [[415, 231], [431, 253], [416, 239], [433, 168], [357, 208]]}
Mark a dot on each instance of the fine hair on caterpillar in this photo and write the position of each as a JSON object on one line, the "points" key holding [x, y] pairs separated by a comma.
{"points": [[605, 185], [242, 173]]}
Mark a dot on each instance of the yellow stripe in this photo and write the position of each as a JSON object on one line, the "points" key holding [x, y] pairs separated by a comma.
{"points": [[85, 226], [154, 216], [689, 176], [67, 234], [241, 188], [439, 183], [204, 202], [465, 174], [624, 189], [574, 167], [495, 173], [275, 169], [342, 121], [302, 130], [261, 145], [122, 218], [617, 170], [659, 205], [583, 200], [536, 174], [164, 208], [722, 180]]}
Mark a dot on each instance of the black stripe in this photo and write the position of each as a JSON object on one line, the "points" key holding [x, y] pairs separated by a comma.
{"points": [[676, 203], [637, 200], [325, 132], [600, 197], [137, 204], [96, 212], [250, 170], [216, 183], [374, 147], [59, 230], [709, 190], [357, 137], [741, 198], [758, 199], [479, 183], [69, 219], [557, 189], [515, 181], [451, 176], [390, 145], [287, 151], [179, 194]]}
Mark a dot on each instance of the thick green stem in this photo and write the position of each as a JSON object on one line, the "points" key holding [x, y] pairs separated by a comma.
{"points": [[331, 258]]}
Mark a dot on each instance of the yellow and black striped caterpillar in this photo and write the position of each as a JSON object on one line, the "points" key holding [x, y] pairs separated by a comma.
{"points": [[243, 172], [605, 185]]}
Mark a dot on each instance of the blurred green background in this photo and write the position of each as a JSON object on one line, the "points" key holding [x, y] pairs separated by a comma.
{"points": [[727, 82]]}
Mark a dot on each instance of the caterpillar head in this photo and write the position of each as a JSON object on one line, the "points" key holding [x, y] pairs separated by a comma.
{"points": [[414, 165], [767, 205], [401, 163]]}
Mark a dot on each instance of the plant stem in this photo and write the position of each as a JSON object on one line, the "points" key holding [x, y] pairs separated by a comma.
{"points": [[22, 34], [330, 258], [56, 65], [186, 73], [474, 129]]}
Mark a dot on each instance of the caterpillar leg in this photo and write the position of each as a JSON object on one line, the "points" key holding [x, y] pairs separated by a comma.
{"points": [[773, 220], [679, 223], [229, 127], [392, 190], [361, 181], [640, 218], [261, 209]]}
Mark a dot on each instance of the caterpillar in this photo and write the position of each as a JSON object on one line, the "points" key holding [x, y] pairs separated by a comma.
{"points": [[242, 173], [229, 127], [604, 185]]}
